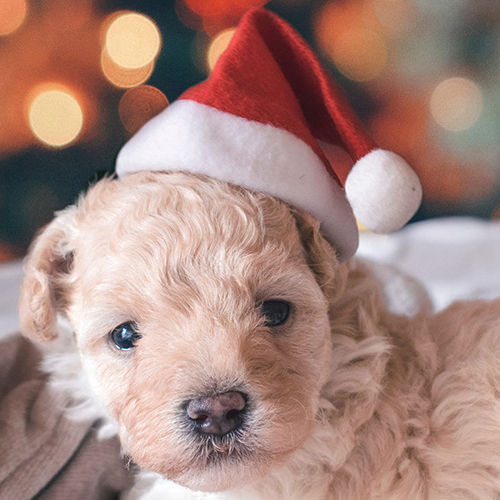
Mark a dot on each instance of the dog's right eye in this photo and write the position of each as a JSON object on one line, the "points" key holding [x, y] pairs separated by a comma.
{"points": [[125, 336], [275, 312]]}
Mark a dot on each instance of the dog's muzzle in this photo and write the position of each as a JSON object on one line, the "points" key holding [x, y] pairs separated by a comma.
{"points": [[217, 414]]}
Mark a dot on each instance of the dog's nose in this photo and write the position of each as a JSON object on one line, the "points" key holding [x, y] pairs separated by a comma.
{"points": [[217, 414]]}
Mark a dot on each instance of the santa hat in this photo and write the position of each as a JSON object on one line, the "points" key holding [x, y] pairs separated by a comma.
{"points": [[258, 122]]}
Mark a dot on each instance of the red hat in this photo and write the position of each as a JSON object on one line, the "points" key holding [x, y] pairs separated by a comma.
{"points": [[258, 122]]}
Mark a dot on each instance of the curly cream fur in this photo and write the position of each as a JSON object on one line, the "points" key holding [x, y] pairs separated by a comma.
{"points": [[349, 400]]}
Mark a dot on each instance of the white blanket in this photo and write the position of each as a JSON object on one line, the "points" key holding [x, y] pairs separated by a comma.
{"points": [[455, 258]]}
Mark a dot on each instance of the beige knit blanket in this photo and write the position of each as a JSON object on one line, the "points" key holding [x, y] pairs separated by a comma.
{"points": [[43, 455]]}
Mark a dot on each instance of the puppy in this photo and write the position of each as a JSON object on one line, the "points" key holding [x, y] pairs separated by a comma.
{"points": [[214, 330]]}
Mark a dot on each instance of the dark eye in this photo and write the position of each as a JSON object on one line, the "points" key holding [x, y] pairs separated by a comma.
{"points": [[275, 312], [125, 335]]}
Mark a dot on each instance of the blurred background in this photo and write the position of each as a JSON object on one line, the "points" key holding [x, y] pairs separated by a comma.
{"points": [[78, 77]]}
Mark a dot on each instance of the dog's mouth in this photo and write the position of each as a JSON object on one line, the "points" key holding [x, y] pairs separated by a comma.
{"points": [[215, 449]]}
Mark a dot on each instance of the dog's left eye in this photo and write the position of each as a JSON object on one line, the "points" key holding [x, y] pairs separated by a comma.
{"points": [[275, 312], [125, 336]]}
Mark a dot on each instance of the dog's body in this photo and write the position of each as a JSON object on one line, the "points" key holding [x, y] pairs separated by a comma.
{"points": [[341, 400]]}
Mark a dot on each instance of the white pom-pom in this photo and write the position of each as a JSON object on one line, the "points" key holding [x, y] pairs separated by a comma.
{"points": [[383, 190]]}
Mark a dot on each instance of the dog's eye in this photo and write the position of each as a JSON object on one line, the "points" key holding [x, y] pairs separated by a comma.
{"points": [[275, 312], [125, 336]]}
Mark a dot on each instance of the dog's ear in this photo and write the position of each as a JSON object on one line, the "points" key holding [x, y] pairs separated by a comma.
{"points": [[321, 256], [47, 270]]}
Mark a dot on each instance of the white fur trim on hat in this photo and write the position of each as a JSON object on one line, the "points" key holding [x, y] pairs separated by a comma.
{"points": [[192, 137], [383, 190]]}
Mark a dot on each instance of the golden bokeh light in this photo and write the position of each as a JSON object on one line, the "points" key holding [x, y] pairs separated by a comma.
{"points": [[66, 17], [217, 46], [124, 77], [347, 34], [360, 54], [132, 40], [456, 104], [55, 116], [139, 105], [335, 18], [12, 15]]}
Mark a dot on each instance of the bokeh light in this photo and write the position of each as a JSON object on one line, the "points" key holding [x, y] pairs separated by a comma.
{"points": [[360, 54], [187, 17], [217, 46], [346, 33], [210, 8], [55, 116], [132, 40], [12, 15], [65, 17], [398, 16], [214, 8], [124, 77], [212, 16], [456, 104], [140, 104]]}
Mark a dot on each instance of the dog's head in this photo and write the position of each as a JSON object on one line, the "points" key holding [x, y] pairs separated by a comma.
{"points": [[200, 312]]}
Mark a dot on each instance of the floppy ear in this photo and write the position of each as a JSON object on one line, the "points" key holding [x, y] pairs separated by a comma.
{"points": [[321, 257], [47, 270]]}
